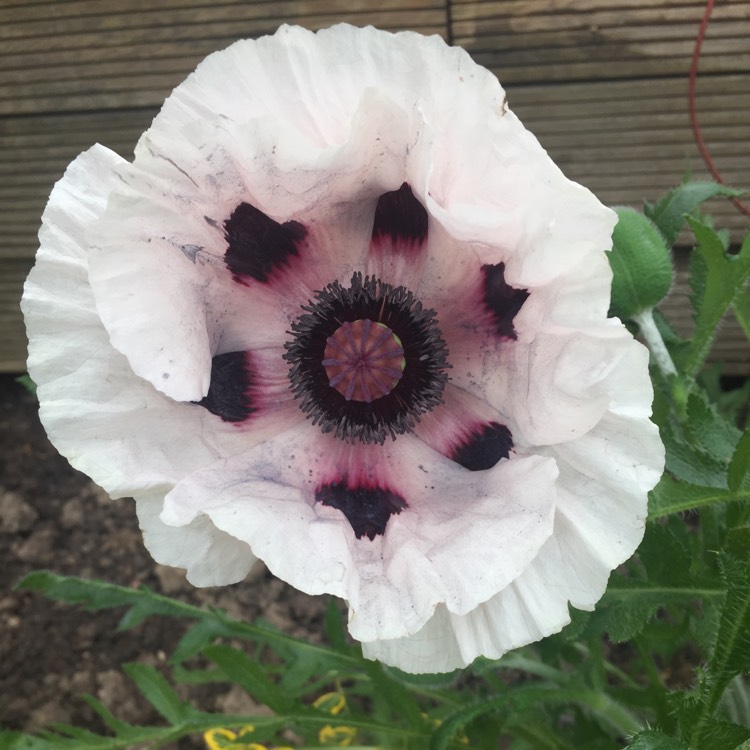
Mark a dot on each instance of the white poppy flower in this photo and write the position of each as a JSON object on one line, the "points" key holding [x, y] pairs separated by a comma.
{"points": [[342, 313]]}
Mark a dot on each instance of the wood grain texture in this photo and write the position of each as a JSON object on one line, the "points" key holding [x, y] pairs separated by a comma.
{"points": [[630, 141], [602, 83], [72, 56]]}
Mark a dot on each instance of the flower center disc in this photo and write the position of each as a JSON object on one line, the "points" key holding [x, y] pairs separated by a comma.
{"points": [[364, 360]]}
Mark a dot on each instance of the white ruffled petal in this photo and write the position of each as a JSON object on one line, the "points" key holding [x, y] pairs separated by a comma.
{"points": [[557, 386], [467, 552], [619, 460], [461, 537], [107, 421], [210, 556], [520, 614]]}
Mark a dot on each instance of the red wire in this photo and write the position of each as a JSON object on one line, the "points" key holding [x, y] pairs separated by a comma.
{"points": [[697, 135]]}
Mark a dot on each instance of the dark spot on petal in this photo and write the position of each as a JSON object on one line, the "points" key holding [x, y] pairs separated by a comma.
{"points": [[258, 245], [229, 394], [400, 216], [501, 299], [485, 447], [366, 509]]}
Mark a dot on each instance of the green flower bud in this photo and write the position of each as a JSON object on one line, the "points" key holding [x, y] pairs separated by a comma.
{"points": [[641, 264]]}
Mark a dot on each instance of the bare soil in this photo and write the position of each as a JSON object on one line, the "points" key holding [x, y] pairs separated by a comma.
{"points": [[52, 517]]}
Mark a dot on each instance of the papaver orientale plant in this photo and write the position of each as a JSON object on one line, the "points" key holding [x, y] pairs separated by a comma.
{"points": [[343, 314]]}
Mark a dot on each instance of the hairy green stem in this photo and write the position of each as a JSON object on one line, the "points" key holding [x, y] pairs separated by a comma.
{"points": [[655, 342]]}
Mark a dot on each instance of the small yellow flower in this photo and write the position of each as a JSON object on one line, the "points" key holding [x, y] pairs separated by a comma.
{"points": [[220, 739], [334, 703], [340, 736]]}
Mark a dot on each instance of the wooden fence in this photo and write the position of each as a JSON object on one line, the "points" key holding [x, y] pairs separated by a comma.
{"points": [[602, 83]]}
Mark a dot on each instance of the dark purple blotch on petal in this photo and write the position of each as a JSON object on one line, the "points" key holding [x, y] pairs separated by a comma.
{"points": [[229, 394], [501, 299], [258, 245], [366, 508], [400, 217], [485, 447]]}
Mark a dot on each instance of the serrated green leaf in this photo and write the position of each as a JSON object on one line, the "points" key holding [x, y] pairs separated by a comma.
{"points": [[157, 691], [732, 653], [716, 280], [186, 676], [627, 607], [687, 459], [738, 544], [599, 705], [300, 669], [81, 735], [197, 637], [738, 476], [672, 496], [19, 741], [664, 577], [49, 740], [698, 714], [142, 736], [136, 614], [722, 735], [393, 692], [641, 264], [251, 677], [709, 429], [120, 728], [99, 595], [652, 739], [665, 558], [96, 595], [579, 620], [698, 278], [707, 625], [432, 681], [669, 213]]}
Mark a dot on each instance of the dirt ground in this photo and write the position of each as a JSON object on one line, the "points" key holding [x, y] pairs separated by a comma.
{"points": [[54, 518]]}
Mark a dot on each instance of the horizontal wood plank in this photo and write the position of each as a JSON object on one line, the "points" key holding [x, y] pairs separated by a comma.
{"points": [[77, 56], [630, 141], [73, 55], [13, 272], [560, 40]]}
